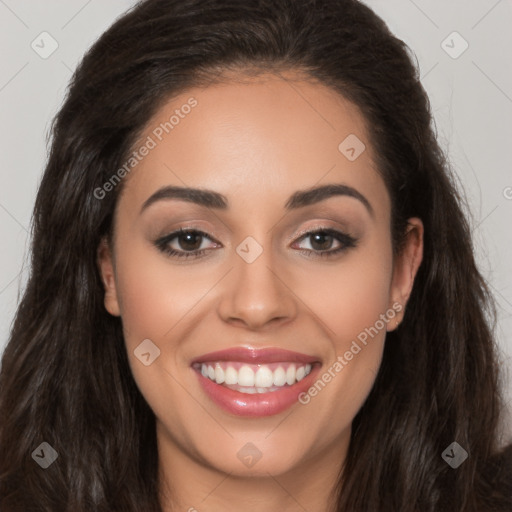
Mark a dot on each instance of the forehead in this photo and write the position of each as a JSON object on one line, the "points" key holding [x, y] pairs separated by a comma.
{"points": [[263, 137]]}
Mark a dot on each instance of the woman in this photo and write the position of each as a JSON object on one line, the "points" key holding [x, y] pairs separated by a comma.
{"points": [[252, 281]]}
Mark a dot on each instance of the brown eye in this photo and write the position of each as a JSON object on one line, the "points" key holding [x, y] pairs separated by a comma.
{"points": [[184, 243], [190, 241], [322, 240]]}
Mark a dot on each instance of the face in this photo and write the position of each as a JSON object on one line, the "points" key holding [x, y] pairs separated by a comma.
{"points": [[259, 330]]}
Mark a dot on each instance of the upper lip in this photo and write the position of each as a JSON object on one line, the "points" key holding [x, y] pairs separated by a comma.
{"points": [[256, 356]]}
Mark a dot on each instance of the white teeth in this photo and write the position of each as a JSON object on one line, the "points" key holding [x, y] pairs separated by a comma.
{"points": [[255, 379], [246, 376], [290, 375], [264, 377], [279, 376], [231, 376], [219, 374], [252, 390]]}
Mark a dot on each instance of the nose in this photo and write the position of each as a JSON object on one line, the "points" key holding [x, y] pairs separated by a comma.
{"points": [[256, 294]]}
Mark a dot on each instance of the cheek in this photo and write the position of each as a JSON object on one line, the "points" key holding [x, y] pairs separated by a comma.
{"points": [[349, 296], [155, 294], [154, 299], [351, 301], [157, 300]]}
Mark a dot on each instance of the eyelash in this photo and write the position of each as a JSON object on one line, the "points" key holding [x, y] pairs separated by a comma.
{"points": [[345, 240]]}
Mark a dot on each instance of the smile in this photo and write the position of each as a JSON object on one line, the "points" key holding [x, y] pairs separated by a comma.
{"points": [[249, 378], [246, 382]]}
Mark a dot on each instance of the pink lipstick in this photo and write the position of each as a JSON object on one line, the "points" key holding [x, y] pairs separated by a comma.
{"points": [[255, 383]]}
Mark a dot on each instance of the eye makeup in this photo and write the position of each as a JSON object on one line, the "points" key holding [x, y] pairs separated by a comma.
{"points": [[317, 235]]}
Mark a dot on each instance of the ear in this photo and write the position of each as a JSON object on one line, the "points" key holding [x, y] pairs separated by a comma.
{"points": [[106, 268], [405, 268]]}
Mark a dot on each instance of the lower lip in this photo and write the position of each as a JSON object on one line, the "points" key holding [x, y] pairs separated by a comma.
{"points": [[257, 404]]}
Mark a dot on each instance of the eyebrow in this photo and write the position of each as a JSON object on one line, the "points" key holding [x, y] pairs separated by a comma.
{"points": [[299, 199]]}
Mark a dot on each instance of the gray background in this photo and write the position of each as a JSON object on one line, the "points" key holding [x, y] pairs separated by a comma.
{"points": [[471, 97]]}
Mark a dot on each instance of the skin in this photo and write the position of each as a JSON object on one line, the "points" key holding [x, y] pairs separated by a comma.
{"points": [[255, 142]]}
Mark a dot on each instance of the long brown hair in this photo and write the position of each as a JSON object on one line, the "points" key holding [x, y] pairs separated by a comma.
{"points": [[65, 378]]}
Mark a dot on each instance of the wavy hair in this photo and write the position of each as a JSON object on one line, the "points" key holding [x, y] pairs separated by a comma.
{"points": [[65, 377]]}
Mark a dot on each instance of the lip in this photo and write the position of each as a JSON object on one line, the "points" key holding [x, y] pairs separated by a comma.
{"points": [[258, 404], [256, 356]]}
